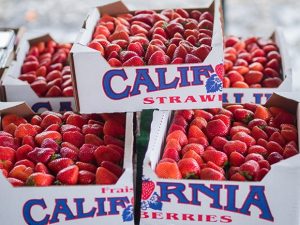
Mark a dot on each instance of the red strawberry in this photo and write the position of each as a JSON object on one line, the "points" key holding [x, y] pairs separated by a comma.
{"points": [[189, 168], [42, 155], [15, 182], [216, 128], [40, 179], [86, 177], [236, 159], [50, 143], [258, 133], [93, 139], [254, 156], [274, 157], [289, 151], [58, 164], [211, 174], [195, 132], [137, 48], [171, 153], [22, 152], [115, 169], [25, 130], [220, 71], [147, 189], [198, 148], [178, 135], [73, 137], [236, 129], [249, 169], [47, 134], [261, 174], [219, 142], [168, 169], [202, 52], [126, 55], [114, 128], [235, 146], [273, 146], [76, 120], [104, 153], [68, 175], [86, 166], [134, 61], [25, 162], [189, 58], [237, 177], [243, 115], [180, 52], [104, 176], [244, 137], [258, 149], [157, 58], [7, 153], [40, 167], [86, 153], [215, 156]]}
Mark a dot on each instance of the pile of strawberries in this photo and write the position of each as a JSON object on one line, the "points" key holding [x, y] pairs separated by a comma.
{"points": [[238, 142], [252, 63], [66, 149], [150, 38], [45, 69]]}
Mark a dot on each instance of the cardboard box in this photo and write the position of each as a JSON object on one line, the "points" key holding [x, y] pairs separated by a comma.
{"points": [[18, 90], [261, 95], [165, 87], [11, 38], [274, 200], [89, 204]]}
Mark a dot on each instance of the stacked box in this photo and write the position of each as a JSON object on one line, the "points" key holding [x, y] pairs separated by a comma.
{"points": [[19, 90], [261, 95], [80, 204], [165, 87]]}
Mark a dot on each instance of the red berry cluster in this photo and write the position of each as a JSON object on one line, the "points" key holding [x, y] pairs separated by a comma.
{"points": [[238, 142], [45, 69], [67, 149], [150, 38], [252, 62]]}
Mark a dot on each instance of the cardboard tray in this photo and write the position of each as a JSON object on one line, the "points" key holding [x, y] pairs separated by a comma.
{"points": [[18, 90], [80, 204], [144, 87], [261, 95], [274, 200]]}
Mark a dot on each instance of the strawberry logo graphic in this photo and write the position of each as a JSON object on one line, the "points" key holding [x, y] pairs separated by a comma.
{"points": [[220, 70], [147, 189]]}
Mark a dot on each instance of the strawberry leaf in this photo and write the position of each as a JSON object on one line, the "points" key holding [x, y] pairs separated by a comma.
{"points": [[128, 214], [154, 202], [213, 84]]}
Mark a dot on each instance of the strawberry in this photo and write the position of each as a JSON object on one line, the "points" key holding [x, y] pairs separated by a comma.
{"points": [[50, 143], [58, 164], [42, 155], [195, 132], [243, 115], [7, 141], [25, 130], [7, 153], [25, 162], [137, 48], [220, 71], [277, 137], [39, 138], [86, 166], [237, 177], [40, 167], [86, 177], [235, 146], [218, 142], [249, 169], [236, 159], [244, 137], [194, 155], [236, 129], [168, 170], [68, 175], [114, 128], [289, 151], [148, 187], [178, 135], [217, 157], [21, 172], [180, 52], [211, 174], [197, 148], [199, 122], [115, 169], [216, 128], [157, 58], [273, 146], [171, 153], [75, 120], [15, 182], [274, 157], [93, 139], [189, 168], [262, 113], [258, 149], [261, 174], [254, 156], [104, 176], [86, 153], [74, 137], [40, 179], [104, 153]]}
